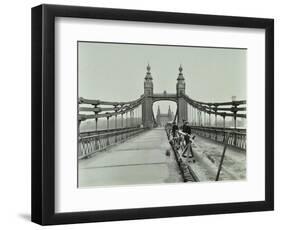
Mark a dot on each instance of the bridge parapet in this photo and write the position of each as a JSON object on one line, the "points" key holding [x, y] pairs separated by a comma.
{"points": [[237, 137], [90, 143]]}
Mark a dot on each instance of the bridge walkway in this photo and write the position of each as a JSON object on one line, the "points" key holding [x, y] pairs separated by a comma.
{"points": [[140, 160]]}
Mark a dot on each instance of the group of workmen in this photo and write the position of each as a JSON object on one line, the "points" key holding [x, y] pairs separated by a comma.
{"points": [[186, 130]]}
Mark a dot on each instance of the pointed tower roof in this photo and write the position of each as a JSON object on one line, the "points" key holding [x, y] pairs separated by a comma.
{"points": [[158, 110], [148, 73], [169, 112], [180, 77]]}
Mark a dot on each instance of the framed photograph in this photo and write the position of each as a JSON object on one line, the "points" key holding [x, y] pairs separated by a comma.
{"points": [[143, 114]]}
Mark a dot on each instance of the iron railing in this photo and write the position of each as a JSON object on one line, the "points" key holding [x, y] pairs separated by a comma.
{"points": [[91, 142], [237, 137]]}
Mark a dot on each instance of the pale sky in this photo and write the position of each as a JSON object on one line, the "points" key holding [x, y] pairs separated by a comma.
{"points": [[115, 72]]}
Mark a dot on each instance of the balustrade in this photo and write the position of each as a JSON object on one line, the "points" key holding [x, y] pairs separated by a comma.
{"points": [[91, 142], [237, 137]]}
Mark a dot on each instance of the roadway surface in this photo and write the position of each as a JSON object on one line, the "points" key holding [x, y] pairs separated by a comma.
{"points": [[143, 160], [139, 160]]}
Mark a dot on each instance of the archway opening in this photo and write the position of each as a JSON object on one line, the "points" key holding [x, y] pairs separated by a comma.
{"points": [[164, 112]]}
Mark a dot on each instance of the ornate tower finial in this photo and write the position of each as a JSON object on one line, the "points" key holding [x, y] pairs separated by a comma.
{"points": [[180, 77], [180, 68], [148, 73], [148, 67]]}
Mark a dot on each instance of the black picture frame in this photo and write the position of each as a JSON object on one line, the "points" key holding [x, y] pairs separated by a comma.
{"points": [[43, 113]]}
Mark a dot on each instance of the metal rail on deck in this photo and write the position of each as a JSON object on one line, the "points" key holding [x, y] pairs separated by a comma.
{"points": [[178, 147]]}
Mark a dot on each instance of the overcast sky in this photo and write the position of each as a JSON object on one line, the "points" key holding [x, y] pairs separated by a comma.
{"points": [[115, 72]]}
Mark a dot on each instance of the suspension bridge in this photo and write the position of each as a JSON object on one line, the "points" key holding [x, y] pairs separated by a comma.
{"points": [[136, 151]]}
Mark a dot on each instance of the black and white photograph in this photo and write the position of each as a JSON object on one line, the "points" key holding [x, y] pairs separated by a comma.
{"points": [[154, 114], [140, 114]]}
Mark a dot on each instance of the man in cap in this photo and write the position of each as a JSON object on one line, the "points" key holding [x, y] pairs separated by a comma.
{"points": [[175, 128], [187, 130]]}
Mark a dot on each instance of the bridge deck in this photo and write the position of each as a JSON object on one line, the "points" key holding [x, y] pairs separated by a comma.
{"points": [[143, 160], [140, 160]]}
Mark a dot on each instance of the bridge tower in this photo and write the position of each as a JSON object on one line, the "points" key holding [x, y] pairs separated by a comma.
{"points": [[147, 113], [181, 103]]}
